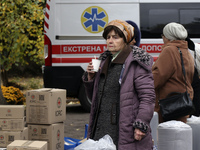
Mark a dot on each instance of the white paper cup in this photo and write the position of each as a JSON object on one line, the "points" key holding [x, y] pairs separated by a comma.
{"points": [[96, 64]]}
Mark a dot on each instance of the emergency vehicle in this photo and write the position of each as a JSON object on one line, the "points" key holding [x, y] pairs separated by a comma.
{"points": [[73, 34]]}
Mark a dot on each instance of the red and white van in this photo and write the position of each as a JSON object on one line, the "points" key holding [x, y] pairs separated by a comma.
{"points": [[73, 34]]}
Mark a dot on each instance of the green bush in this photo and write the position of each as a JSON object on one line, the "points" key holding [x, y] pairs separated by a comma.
{"points": [[34, 84]]}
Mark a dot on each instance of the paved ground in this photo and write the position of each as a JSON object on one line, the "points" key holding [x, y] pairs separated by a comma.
{"points": [[76, 118]]}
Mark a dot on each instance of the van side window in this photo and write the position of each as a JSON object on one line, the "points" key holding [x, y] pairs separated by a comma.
{"points": [[153, 17]]}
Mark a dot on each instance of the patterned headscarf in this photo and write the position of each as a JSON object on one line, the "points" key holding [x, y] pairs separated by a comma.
{"points": [[126, 28]]}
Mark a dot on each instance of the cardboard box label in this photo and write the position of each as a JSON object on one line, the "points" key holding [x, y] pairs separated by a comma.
{"points": [[38, 114], [12, 124]]}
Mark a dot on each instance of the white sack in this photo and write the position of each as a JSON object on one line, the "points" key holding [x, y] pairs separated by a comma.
{"points": [[174, 135], [105, 143]]}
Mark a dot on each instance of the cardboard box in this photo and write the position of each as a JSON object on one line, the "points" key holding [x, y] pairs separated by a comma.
{"points": [[12, 124], [27, 145], [12, 111], [53, 134], [45, 106], [7, 137]]}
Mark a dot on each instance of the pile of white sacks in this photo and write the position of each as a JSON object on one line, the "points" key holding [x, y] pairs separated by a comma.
{"points": [[176, 135]]}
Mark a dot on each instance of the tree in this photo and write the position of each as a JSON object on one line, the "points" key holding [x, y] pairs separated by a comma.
{"points": [[21, 34], [2, 99]]}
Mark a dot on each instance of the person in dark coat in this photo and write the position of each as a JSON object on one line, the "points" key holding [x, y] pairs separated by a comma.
{"points": [[122, 91], [196, 80]]}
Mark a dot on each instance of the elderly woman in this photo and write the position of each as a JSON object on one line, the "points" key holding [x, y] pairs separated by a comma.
{"points": [[122, 91], [167, 70]]}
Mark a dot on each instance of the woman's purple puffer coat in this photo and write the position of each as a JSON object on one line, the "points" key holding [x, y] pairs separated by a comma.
{"points": [[137, 99]]}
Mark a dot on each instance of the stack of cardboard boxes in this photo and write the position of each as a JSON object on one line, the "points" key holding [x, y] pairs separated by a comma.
{"points": [[12, 124], [45, 116]]}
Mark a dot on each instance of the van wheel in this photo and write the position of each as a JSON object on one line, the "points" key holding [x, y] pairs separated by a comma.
{"points": [[84, 100]]}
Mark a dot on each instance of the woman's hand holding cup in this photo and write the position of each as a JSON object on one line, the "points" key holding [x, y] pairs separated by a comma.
{"points": [[93, 67]]}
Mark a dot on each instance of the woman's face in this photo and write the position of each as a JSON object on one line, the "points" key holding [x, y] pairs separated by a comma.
{"points": [[114, 42]]}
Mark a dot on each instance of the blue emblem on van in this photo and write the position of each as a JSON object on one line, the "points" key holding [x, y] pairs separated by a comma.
{"points": [[94, 19]]}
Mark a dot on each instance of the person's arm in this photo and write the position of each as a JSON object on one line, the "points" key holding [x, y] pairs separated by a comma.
{"points": [[144, 85], [88, 80], [90, 73]]}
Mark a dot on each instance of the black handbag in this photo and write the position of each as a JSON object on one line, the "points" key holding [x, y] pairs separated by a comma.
{"points": [[176, 105]]}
